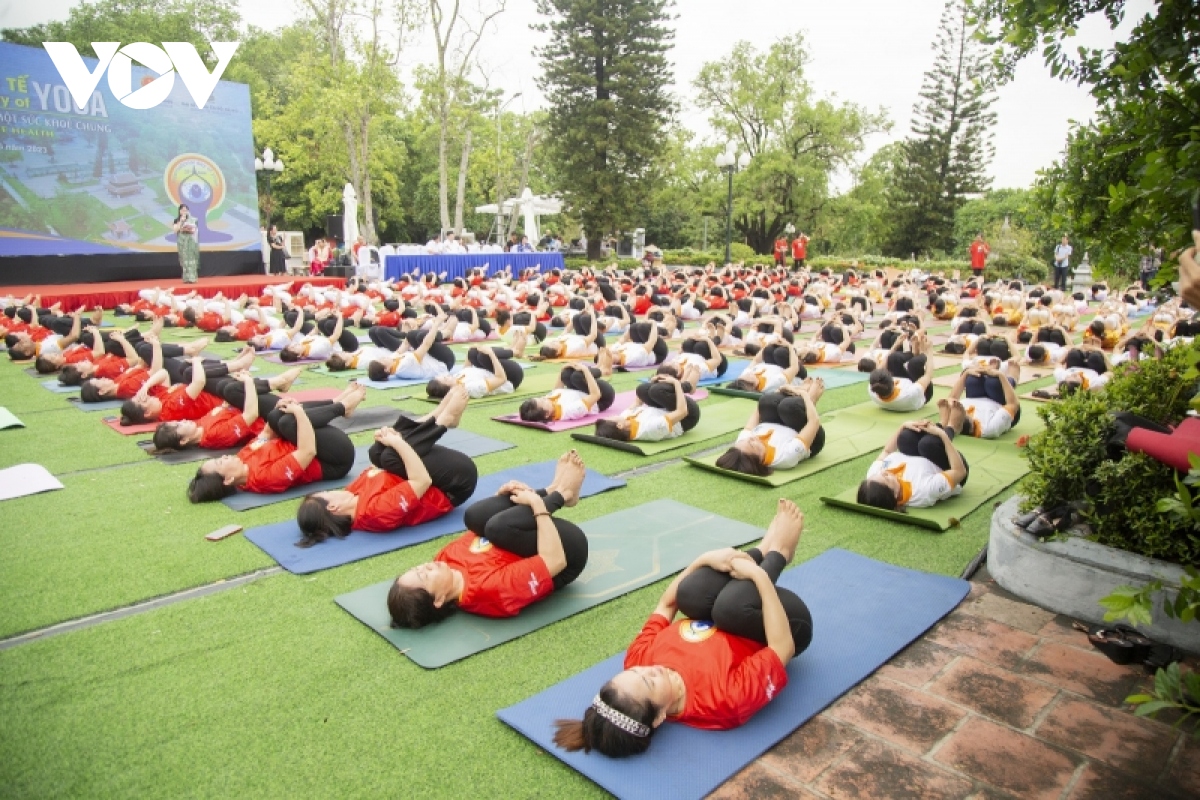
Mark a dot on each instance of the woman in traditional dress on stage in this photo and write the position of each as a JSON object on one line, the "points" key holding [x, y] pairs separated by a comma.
{"points": [[189, 249], [278, 263]]}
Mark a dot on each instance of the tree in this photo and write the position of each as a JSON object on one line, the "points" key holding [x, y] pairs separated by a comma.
{"points": [[1021, 207], [951, 148], [1126, 178], [796, 140], [605, 75]]}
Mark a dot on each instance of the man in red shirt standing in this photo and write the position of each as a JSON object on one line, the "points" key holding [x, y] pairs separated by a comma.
{"points": [[979, 254], [781, 247], [799, 251]]}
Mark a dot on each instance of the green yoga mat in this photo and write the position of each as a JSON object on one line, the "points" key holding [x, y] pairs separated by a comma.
{"points": [[321, 369], [715, 420], [834, 379], [995, 465], [849, 433], [628, 550]]}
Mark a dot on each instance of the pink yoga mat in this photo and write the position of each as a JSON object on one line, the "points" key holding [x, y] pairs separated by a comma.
{"points": [[323, 393], [621, 402]]}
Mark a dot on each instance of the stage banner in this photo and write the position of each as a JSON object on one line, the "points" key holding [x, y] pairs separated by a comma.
{"points": [[105, 178]]}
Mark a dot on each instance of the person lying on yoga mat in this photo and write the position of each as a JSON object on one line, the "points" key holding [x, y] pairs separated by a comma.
{"points": [[23, 346], [278, 338], [113, 350], [919, 465], [1084, 368], [822, 351], [515, 553], [177, 391], [127, 384], [784, 430], [640, 346], [322, 343], [714, 669], [413, 480], [904, 383], [1049, 346], [488, 371], [773, 367], [990, 403], [417, 355], [992, 350], [296, 447], [698, 358], [583, 343], [663, 411], [580, 392], [243, 415]]}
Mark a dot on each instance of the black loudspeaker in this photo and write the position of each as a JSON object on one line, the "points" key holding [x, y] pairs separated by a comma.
{"points": [[333, 227]]}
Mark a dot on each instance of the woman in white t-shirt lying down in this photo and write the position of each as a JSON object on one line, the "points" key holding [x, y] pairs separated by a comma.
{"points": [[584, 342], [663, 411], [579, 393], [904, 383], [773, 368], [918, 467], [415, 355], [641, 346], [989, 400], [488, 371], [784, 430]]}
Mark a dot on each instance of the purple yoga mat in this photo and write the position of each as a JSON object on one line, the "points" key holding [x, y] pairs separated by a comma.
{"points": [[275, 359], [621, 402]]}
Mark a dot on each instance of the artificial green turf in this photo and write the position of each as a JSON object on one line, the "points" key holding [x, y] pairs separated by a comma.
{"points": [[270, 689]]}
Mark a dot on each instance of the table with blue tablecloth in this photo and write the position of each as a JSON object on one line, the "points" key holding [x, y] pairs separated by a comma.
{"points": [[457, 266]]}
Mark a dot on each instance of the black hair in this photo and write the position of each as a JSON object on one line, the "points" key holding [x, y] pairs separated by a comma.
{"points": [[206, 487], [376, 371], [414, 608], [288, 356], [436, 388], [882, 383], [224, 335], [70, 375], [167, 438], [318, 523], [45, 366], [608, 429], [133, 414], [90, 393], [866, 365], [1037, 353], [877, 494], [737, 460], [530, 411], [189, 314]]}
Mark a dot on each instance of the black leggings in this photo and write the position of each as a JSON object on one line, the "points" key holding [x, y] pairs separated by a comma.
{"points": [[583, 324], [452, 472], [574, 379], [390, 339], [1085, 359], [111, 346], [735, 606], [348, 340], [921, 444], [512, 370], [906, 365], [512, 527], [335, 451], [180, 371], [290, 317], [989, 386], [662, 395], [640, 332], [145, 351], [234, 393], [783, 409]]}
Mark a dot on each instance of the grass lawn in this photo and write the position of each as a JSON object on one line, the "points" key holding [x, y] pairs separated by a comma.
{"points": [[270, 689]]}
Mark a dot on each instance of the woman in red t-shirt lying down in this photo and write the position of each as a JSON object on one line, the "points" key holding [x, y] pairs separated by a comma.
{"points": [[514, 553], [716, 668], [413, 480]]}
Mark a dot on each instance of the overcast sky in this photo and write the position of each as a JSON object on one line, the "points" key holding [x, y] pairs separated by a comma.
{"points": [[870, 52]]}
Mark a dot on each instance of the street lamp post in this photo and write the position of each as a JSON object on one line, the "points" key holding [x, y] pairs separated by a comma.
{"points": [[730, 162], [499, 168], [268, 164]]}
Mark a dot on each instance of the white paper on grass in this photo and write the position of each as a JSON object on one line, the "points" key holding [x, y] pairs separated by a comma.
{"points": [[26, 479]]}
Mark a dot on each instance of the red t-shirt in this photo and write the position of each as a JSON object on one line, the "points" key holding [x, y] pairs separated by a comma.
{"points": [[226, 427], [248, 328], [979, 253], [781, 247], [110, 366], [387, 502], [130, 381], [77, 353], [210, 321], [388, 319], [728, 678], [800, 247], [274, 468], [176, 404], [497, 583]]}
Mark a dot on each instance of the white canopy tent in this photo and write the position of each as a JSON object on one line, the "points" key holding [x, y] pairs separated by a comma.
{"points": [[530, 206]]}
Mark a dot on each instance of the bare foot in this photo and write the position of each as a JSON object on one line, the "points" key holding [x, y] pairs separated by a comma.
{"points": [[519, 339], [943, 407], [452, 407], [784, 531], [604, 360], [195, 348], [958, 415], [568, 478], [284, 380], [242, 361], [352, 397], [157, 326], [97, 316], [815, 389]]}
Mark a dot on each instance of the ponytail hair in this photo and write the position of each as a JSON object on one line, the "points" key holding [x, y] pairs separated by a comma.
{"points": [[597, 732]]}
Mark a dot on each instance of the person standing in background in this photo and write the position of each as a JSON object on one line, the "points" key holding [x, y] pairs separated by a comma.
{"points": [[189, 248], [1062, 263], [799, 250], [1150, 262], [781, 248], [278, 263], [979, 254]]}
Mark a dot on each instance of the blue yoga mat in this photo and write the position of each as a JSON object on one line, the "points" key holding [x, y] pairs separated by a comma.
{"points": [[279, 540], [58, 388], [732, 373], [864, 612]]}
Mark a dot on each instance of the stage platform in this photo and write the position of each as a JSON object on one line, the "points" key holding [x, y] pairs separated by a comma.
{"points": [[110, 295]]}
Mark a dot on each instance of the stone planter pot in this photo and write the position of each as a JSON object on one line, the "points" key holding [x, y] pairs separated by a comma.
{"points": [[1069, 577]]}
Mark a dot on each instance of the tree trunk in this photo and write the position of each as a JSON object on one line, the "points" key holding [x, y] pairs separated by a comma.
{"points": [[529, 140], [364, 195], [443, 173], [462, 184]]}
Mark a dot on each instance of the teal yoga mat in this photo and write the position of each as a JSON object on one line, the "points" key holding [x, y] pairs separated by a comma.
{"points": [[716, 420], [628, 550], [834, 379]]}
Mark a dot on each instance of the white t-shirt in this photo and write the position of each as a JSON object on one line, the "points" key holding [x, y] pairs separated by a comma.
{"points": [[1054, 352], [475, 381], [569, 404], [906, 396], [463, 333], [922, 481], [317, 346], [633, 354], [649, 424], [1062, 254], [575, 346], [365, 355], [691, 359], [784, 447], [408, 366], [1092, 380], [990, 418], [50, 346], [279, 339], [768, 377]]}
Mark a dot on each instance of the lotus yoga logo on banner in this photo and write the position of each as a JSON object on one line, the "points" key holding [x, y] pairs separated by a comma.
{"points": [[89, 165]]}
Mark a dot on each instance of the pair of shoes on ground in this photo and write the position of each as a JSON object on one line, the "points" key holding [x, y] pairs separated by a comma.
{"points": [[1046, 522], [1124, 645]]}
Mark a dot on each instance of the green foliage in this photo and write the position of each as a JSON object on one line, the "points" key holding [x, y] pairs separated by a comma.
{"points": [[987, 214], [605, 73], [1119, 184], [860, 221], [951, 146], [1063, 456], [1173, 689], [796, 139]]}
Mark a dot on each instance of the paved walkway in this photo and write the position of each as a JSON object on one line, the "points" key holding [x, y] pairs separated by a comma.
{"points": [[999, 700]]}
